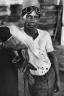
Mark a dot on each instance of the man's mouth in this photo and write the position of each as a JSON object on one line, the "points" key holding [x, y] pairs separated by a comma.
{"points": [[31, 24]]}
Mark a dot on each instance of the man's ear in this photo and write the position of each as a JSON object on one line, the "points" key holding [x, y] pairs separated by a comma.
{"points": [[24, 17]]}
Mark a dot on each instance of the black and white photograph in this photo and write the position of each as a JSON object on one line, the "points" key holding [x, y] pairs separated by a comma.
{"points": [[31, 47]]}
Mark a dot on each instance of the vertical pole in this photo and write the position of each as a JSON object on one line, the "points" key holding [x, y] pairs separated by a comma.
{"points": [[62, 31]]}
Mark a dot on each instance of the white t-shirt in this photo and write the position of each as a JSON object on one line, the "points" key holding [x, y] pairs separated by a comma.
{"points": [[37, 49], [42, 45]]}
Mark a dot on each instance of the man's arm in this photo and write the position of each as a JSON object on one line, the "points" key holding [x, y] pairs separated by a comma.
{"points": [[51, 54], [54, 62]]}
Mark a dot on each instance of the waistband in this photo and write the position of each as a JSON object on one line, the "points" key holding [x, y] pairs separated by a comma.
{"points": [[43, 76]]}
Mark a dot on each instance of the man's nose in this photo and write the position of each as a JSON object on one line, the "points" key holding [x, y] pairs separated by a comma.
{"points": [[33, 19]]}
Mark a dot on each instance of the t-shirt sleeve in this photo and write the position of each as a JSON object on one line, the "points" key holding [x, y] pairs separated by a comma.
{"points": [[21, 36], [49, 45]]}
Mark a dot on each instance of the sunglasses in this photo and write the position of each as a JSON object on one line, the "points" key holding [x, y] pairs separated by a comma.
{"points": [[28, 10]]}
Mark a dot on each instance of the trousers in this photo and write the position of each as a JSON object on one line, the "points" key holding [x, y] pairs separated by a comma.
{"points": [[42, 85]]}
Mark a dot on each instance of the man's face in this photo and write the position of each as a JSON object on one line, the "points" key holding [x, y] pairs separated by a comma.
{"points": [[31, 20]]}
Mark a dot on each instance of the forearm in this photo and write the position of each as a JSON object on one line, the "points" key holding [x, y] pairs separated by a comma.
{"points": [[56, 68], [54, 62]]}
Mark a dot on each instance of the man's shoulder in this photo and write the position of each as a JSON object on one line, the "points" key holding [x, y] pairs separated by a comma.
{"points": [[43, 32], [14, 27]]}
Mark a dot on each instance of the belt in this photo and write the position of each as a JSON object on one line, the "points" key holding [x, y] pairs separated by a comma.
{"points": [[43, 76]]}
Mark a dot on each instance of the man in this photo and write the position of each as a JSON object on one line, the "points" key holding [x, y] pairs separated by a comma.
{"points": [[45, 75]]}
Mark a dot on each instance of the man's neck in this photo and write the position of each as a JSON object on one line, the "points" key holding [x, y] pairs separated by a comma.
{"points": [[31, 32]]}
